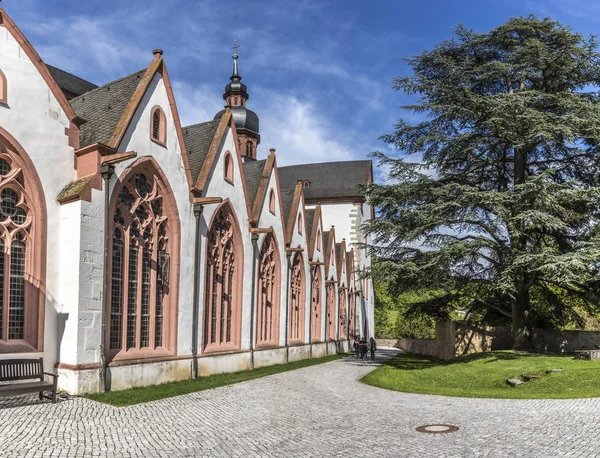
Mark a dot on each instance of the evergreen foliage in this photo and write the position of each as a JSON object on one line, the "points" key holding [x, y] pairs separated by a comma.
{"points": [[499, 210]]}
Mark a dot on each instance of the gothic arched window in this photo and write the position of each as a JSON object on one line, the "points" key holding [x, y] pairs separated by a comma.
{"points": [[351, 313], [297, 300], [272, 201], [316, 304], [22, 251], [331, 311], [223, 298], [3, 88], [229, 168], [158, 129], [343, 313], [141, 302], [268, 293]]}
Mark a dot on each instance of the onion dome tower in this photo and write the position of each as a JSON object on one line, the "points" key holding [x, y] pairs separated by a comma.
{"points": [[246, 121]]}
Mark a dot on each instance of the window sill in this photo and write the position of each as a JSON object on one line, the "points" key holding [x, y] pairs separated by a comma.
{"points": [[17, 346], [158, 142]]}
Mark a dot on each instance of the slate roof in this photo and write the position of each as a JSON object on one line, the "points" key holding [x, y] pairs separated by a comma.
{"points": [[103, 107], [328, 179], [71, 85], [252, 173], [309, 216], [197, 139], [287, 198]]}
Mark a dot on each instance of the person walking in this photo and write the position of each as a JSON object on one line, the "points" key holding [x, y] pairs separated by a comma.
{"points": [[372, 347], [356, 347], [363, 349]]}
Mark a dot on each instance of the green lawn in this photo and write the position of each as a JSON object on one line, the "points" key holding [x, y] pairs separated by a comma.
{"points": [[483, 375], [152, 393]]}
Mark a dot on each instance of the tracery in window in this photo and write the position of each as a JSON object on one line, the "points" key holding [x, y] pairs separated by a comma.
{"points": [[343, 313], [222, 305], [316, 304], [297, 300], [22, 251], [140, 274], [268, 293], [331, 311]]}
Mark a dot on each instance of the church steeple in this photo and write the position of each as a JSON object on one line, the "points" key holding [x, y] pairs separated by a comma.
{"points": [[236, 92], [246, 121]]}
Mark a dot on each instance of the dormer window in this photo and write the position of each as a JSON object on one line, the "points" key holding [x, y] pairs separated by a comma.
{"points": [[228, 168], [158, 126], [272, 202], [306, 184], [3, 88], [300, 223]]}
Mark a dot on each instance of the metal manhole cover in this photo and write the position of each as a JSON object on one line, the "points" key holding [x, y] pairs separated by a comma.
{"points": [[437, 429]]}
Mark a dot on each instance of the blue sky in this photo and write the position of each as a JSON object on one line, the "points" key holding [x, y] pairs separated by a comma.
{"points": [[318, 71]]}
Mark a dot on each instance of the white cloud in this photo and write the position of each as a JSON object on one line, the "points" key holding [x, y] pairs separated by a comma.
{"points": [[301, 134]]}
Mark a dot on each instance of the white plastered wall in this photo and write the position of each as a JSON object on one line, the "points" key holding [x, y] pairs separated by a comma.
{"points": [[170, 161], [217, 186], [301, 241], [270, 220], [34, 117]]}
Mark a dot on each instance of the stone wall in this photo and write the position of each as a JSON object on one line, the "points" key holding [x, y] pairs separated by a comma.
{"points": [[555, 341], [454, 339]]}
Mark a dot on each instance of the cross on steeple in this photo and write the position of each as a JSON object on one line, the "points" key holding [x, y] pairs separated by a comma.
{"points": [[234, 47]]}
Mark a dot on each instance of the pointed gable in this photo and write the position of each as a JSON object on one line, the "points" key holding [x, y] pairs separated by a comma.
{"points": [[329, 256]]}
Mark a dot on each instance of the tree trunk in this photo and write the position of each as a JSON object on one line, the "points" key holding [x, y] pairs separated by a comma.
{"points": [[520, 329]]}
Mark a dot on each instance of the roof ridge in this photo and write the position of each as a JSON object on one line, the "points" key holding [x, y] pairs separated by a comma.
{"points": [[107, 84], [74, 76], [200, 124], [328, 162]]}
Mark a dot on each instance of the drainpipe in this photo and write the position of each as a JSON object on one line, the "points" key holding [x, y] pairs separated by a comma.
{"points": [[107, 171], [347, 315], [288, 255], [327, 285], [254, 255], [198, 209], [310, 314]]}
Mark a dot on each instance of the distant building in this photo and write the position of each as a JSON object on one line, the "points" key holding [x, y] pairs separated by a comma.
{"points": [[216, 260]]}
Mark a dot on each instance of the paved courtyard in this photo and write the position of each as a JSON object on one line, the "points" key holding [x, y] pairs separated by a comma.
{"points": [[317, 411]]}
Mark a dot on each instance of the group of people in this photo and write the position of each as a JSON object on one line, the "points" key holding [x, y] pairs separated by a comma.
{"points": [[361, 347]]}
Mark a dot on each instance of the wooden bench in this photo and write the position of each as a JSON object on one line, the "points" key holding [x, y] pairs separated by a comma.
{"points": [[12, 370]]}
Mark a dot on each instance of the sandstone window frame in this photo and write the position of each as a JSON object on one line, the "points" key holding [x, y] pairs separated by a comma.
{"points": [[3, 88], [223, 272], [228, 167], [158, 126], [27, 236], [145, 237], [297, 300], [268, 293], [316, 306]]}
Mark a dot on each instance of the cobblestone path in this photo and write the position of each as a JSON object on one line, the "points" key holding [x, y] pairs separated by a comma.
{"points": [[317, 411]]}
